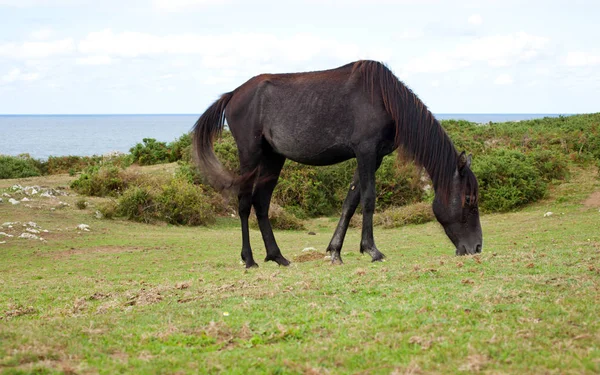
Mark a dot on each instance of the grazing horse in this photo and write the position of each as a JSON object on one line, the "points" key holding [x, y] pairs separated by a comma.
{"points": [[360, 110]]}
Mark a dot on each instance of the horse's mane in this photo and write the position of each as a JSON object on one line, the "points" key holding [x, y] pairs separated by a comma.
{"points": [[418, 134]]}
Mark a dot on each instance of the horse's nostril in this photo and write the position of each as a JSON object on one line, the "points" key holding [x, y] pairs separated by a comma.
{"points": [[478, 249]]}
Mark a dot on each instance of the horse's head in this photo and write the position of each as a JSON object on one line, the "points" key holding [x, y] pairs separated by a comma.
{"points": [[460, 215]]}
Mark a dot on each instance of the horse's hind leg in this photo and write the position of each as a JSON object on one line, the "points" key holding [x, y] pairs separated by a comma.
{"points": [[367, 166], [244, 207], [348, 208], [270, 167]]}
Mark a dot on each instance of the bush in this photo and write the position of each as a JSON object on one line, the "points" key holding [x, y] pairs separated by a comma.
{"points": [[108, 209], [508, 179], [137, 204], [551, 165], [180, 149], [150, 152], [280, 219], [81, 204], [18, 167], [183, 203], [101, 181], [416, 213]]}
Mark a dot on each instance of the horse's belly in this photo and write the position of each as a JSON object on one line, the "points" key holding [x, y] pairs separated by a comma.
{"points": [[315, 155]]}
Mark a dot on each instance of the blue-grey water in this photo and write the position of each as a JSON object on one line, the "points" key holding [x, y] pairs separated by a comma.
{"points": [[42, 136]]}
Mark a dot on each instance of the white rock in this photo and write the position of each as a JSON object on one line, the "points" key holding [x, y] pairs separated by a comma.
{"points": [[31, 230], [2, 234], [1, 200], [29, 236], [84, 227], [98, 215], [31, 224], [46, 195], [6, 195], [25, 199], [1, 242], [13, 201], [309, 249], [548, 214], [63, 204], [46, 231]]}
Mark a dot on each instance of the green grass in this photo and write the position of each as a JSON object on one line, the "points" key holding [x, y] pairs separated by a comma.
{"points": [[134, 298]]}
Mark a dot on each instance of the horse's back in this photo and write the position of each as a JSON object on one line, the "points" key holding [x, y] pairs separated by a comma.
{"points": [[313, 118]]}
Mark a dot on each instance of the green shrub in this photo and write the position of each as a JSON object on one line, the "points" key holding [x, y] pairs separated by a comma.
{"points": [[180, 149], [108, 209], [551, 165], [81, 204], [101, 181], [416, 213], [183, 203], [150, 152], [18, 167], [280, 219], [397, 183], [508, 179], [137, 204]]}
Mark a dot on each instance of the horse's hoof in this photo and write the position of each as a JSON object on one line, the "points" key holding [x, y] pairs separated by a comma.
{"points": [[279, 260], [251, 265], [336, 262]]}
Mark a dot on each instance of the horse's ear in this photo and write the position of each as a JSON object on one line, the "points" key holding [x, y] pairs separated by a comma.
{"points": [[464, 161]]}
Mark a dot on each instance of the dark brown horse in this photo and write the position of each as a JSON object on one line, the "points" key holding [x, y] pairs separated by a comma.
{"points": [[360, 110]]}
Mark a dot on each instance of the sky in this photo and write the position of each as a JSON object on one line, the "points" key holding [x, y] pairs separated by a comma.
{"points": [[178, 56]]}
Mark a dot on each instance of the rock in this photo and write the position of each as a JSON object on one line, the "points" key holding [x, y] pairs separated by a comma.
{"points": [[309, 249], [2, 234], [98, 215], [6, 195], [84, 227], [31, 224], [25, 199], [31, 230], [1, 242], [547, 214], [13, 201], [46, 195], [1, 200], [312, 234], [29, 236]]}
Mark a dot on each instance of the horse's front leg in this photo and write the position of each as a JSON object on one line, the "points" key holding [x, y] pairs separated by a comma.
{"points": [[367, 166]]}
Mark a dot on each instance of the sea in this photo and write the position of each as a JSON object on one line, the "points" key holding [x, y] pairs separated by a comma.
{"points": [[42, 136]]}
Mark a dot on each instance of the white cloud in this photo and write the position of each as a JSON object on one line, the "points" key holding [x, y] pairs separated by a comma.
{"points": [[580, 58], [94, 60], [42, 34], [495, 51], [27, 50], [475, 19], [504, 79], [47, 3], [16, 75], [227, 50], [180, 5]]}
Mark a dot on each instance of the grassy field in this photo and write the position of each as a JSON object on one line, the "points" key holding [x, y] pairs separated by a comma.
{"points": [[134, 298]]}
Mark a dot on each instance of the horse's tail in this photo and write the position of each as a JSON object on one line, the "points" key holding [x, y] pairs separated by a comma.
{"points": [[207, 128]]}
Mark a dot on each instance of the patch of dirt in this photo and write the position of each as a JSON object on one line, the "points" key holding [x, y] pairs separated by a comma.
{"points": [[593, 200], [475, 363], [16, 311], [147, 296], [309, 256]]}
